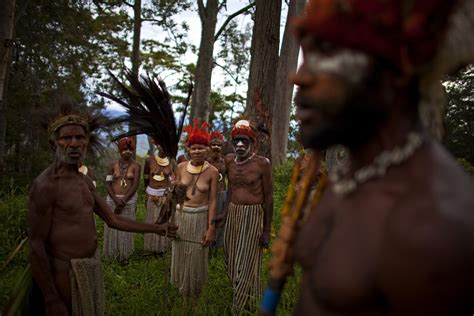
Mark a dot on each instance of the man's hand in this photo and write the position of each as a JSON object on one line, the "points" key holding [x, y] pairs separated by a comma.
{"points": [[209, 236], [265, 239], [56, 307], [166, 229]]}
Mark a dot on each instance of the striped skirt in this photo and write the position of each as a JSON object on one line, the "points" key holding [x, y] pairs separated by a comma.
{"points": [[243, 254], [188, 257], [155, 242], [119, 244]]}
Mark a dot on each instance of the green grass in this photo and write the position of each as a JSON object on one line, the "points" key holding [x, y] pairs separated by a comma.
{"points": [[142, 287]]}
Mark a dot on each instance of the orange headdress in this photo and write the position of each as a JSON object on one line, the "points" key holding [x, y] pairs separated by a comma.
{"points": [[243, 127], [197, 133], [126, 143]]}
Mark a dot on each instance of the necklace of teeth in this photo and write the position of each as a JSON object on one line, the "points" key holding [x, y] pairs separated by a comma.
{"points": [[343, 183]]}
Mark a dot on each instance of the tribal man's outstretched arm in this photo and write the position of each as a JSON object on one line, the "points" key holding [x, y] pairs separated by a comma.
{"points": [[40, 215], [122, 223]]}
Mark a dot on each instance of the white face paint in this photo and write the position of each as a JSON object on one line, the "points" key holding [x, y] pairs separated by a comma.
{"points": [[348, 64]]}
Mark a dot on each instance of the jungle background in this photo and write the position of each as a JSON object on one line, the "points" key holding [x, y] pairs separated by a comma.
{"points": [[239, 66]]}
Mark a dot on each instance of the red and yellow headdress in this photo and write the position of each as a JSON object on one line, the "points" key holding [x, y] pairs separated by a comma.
{"points": [[406, 33], [243, 127], [197, 133], [126, 143]]}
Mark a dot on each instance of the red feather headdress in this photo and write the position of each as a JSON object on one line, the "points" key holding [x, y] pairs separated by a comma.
{"points": [[216, 135], [405, 33], [243, 127], [197, 133], [126, 143]]}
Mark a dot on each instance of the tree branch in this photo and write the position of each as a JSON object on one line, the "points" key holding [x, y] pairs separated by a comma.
{"points": [[230, 17], [128, 4], [201, 9], [19, 12], [151, 20], [228, 72]]}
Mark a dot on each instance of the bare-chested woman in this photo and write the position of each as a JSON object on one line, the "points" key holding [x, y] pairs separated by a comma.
{"points": [[122, 179], [196, 218], [63, 240], [158, 175]]}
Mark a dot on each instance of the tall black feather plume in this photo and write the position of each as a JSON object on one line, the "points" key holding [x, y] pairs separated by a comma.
{"points": [[149, 111]]}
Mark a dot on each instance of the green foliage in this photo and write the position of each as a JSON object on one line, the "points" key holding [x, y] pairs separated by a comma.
{"points": [[13, 211], [143, 287], [466, 165], [460, 115]]}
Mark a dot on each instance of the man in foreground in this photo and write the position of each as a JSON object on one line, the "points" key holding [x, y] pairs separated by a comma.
{"points": [[394, 231], [248, 216], [63, 240]]}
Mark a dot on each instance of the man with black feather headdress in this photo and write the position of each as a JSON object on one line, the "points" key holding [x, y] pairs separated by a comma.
{"points": [[63, 239]]}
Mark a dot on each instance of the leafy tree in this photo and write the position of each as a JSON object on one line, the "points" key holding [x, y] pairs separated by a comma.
{"points": [[61, 48], [460, 114]]}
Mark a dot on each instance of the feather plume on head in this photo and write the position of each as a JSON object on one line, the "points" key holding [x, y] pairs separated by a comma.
{"points": [[197, 133], [149, 111], [69, 112], [217, 135]]}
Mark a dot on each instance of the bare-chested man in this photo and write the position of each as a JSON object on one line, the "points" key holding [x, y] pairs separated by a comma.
{"points": [[158, 174], [196, 218], [394, 231], [63, 240], [248, 216], [123, 176], [216, 159]]}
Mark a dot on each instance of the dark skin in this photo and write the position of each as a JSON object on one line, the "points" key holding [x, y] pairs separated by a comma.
{"points": [[205, 183], [131, 176], [216, 159], [152, 169], [61, 220], [250, 183], [400, 244]]}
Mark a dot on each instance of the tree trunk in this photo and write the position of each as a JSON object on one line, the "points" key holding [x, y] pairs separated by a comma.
{"points": [[7, 15], [137, 25], [287, 64], [263, 71], [203, 72]]}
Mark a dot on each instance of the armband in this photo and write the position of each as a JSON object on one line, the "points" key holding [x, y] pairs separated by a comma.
{"points": [[109, 178]]}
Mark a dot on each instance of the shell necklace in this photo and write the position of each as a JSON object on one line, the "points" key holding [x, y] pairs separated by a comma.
{"points": [[343, 183]]}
